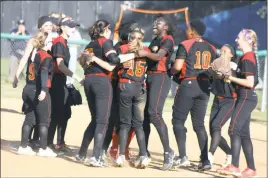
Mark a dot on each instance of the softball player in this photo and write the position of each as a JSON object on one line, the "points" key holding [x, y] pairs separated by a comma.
{"points": [[44, 25], [36, 97], [132, 99], [222, 107], [246, 80], [193, 58], [158, 84], [61, 109], [113, 134], [98, 89]]}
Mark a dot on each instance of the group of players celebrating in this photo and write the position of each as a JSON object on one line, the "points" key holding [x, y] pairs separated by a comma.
{"points": [[126, 86]]}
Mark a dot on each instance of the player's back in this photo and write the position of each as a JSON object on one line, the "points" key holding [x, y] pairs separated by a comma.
{"points": [[199, 55]]}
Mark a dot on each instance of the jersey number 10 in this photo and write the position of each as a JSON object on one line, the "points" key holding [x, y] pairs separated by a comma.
{"points": [[202, 60]]}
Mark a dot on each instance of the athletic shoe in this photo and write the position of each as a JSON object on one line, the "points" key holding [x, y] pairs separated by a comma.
{"points": [[120, 161], [230, 170], [149, 156], [35, 144], [95, 162], [228, 161], [26, 151], [46, 153], [104, 154], [63, 148], [80, 159], [204, 166], [113, 153], [181, 161], [210, 158], [141, 162], [168, 160], [248, 173]]}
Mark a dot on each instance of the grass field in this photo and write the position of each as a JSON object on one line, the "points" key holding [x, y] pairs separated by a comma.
{"points": [[8, 91]]}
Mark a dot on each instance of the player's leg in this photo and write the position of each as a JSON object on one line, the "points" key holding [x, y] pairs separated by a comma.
{"points": [[146, 122], [57, 106], [28, 96], [62, 125], [114, 116], [102, 88], [43, 109], [158, 92], [247, 147], [198, 113], [90, 130], [224, 110], [181, 109], [139, 102], [240, 117], [125, 94]]}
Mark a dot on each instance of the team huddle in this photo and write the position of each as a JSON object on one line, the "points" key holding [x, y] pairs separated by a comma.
{"points": [[126, 85]]}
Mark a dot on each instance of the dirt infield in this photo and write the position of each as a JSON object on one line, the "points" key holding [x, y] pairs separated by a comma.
{"points": [[13, 165]]}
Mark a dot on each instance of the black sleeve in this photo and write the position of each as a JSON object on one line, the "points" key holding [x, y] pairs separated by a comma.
{"points": [[117, 48], [44, 78], [167, 45], [47, 64], [248, 67], [107, 46], [57, 50], [112, 57], [181, 52]]}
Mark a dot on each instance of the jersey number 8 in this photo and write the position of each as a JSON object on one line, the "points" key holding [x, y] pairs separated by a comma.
{"points": [[202, 60]]}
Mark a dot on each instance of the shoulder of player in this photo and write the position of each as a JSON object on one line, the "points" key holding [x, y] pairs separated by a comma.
{"points": [[59, 40], [104, 41], [249, 56], [44, 55]]}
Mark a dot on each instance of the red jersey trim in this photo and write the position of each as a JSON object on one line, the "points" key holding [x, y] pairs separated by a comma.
{"points": [[59, 39], [250, 56], [101, 40]]}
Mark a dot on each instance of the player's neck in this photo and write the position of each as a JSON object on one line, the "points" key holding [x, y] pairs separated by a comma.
{"points": [[246, 49]]}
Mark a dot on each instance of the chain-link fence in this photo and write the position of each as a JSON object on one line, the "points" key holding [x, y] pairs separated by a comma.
{"points": [[12, 49]]}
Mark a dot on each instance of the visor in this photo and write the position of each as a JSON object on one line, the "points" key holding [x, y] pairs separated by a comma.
{"points": [[69, 23]]}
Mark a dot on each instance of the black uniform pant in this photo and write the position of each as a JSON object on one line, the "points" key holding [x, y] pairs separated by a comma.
{"points": [[36, 112], [114, 118], [99, 93], [132, 99], [158, 86], [239, 129], [61, 109], [192, 96], [221, 111]]}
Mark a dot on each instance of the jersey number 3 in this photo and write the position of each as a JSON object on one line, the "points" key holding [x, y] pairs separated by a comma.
{"points": [[202, 60], [31, 75]]}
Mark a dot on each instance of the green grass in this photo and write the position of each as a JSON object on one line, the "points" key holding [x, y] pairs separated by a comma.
{"points": [[8, 92]]}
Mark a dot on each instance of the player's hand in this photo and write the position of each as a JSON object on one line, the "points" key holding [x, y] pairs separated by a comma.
{"points": [[128, 64], [142, 53], [42, 96], [15, 82]]}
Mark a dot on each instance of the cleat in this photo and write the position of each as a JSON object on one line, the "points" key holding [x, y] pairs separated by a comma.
{"points": [[26, 151], [228, 161], [95, 163], [63, 148], [141, 162], [247, 173], [168, 160], [46, 153], [120, 161], [229, 170], [181, 161], [204, 166], [80, 159]]}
